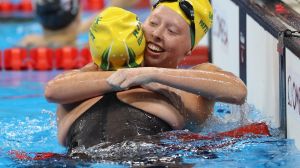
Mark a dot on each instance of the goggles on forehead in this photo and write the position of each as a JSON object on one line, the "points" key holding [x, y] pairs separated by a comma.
{"points": [[188, 10]]}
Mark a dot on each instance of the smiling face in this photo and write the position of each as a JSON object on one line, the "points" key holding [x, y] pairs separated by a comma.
{"points": [[168, 38]]}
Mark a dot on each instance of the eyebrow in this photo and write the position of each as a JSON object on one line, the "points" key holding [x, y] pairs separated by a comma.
{"points": [[168, 23], [154, 15]]}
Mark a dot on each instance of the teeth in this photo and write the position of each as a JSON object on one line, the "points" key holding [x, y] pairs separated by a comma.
{"points": [[154, 47]]}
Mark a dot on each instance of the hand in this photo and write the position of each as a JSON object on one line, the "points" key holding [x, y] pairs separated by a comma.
{"points": [[129, 77]]}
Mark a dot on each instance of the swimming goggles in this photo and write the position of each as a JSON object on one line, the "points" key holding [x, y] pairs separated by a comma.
{"points": [[188, 10]]}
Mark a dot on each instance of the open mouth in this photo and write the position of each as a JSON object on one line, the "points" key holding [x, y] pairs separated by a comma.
{"points": [[155, 48]]}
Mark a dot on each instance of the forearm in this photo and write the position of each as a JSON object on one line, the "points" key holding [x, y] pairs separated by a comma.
{"points": [[210, 84], [74, 87]]}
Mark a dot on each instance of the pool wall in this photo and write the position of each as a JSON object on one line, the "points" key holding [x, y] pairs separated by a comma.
{"points": [[246, 40]]}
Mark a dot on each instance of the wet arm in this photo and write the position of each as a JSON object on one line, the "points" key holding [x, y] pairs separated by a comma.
{"points": [[78, 85], [206, 80]]}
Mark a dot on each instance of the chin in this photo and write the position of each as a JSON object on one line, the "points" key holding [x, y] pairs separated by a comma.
{"points": [[148, 63]]}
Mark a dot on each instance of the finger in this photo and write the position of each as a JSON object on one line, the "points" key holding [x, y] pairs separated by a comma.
{"points": [[115, 79], [128, 83], [135, 81]]}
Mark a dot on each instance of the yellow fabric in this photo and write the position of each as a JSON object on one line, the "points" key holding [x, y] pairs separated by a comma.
{"points": [[175, 7], [203, 16], [116, 39]]}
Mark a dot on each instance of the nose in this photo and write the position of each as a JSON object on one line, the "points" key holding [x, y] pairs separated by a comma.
{"points": [[157, 34]]}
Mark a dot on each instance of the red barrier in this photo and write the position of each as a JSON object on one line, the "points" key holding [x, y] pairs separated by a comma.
{"points": [[15, 59], [94, 5], [83, 58], [25, 6], [19, 155], [45, 58], [253, 129], [200, 50], [42, 58], [143, 4], [6, 6], [198, 56], [66, 58]]}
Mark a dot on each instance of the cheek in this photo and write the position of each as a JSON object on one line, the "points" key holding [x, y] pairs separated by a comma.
{"points": [[147, 29], [172, 44], [176, 45], [146, 34]]}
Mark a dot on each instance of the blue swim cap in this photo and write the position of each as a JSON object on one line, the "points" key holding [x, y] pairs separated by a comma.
{"points": [[56, 14]]}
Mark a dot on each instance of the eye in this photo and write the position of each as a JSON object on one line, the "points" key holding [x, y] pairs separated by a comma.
{"points": [[153, 23], [172, 31]]}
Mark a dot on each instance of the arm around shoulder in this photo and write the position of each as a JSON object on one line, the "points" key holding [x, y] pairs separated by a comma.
{"points": [[78, 85], [206, 80]]}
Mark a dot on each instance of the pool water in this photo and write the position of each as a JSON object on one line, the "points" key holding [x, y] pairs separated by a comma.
{"points": [[20, 29], [27, 124]]}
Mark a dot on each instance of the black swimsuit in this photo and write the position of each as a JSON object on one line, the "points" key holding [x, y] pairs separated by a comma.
{"points": [[110, 120]]}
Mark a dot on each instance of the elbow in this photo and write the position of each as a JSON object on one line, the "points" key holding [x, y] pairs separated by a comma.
{"points": [[241, 95], [235, 95], [49, 93]]}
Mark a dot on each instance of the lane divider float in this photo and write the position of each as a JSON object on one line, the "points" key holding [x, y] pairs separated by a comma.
{"points": [[66, 58], [42, 58]]}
